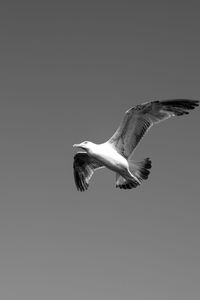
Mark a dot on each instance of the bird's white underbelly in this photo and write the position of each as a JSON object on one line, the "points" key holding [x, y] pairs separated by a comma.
{"points": [[110, 158]]}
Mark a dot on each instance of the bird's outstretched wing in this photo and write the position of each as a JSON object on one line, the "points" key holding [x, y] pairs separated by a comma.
{"points": [[84, 167], [140, 118]]}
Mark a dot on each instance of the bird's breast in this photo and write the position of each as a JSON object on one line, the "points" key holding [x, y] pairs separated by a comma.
{"points": [[110, 158]]}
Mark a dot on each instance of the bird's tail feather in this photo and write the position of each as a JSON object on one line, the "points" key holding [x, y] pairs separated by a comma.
{"points": [[139, 170]]}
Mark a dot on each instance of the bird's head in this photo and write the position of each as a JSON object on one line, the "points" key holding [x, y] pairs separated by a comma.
{"points": [[84, 145]]}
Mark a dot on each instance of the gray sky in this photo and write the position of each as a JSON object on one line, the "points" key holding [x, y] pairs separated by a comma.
{"points": [[68, 73]]}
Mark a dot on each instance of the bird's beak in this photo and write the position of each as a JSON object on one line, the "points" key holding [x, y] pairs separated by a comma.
{"points": [[78, 146]]}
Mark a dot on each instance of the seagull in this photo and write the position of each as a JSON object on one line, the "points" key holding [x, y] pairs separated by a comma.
{"points": [[117, 154]]}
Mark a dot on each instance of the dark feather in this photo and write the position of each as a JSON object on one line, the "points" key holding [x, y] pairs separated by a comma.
{"points": [[84, 167]]}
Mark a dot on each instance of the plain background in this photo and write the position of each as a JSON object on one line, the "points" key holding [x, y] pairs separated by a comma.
{"points": [[69, 70]]}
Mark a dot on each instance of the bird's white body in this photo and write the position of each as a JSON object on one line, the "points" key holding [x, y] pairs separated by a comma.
{"points": [[107, 155]]}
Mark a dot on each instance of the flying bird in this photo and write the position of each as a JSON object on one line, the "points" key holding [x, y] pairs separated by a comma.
{"points": [[117, 154]]}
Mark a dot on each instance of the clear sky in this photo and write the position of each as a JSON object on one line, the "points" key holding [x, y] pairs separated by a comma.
{"points": [[69, 70]]}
